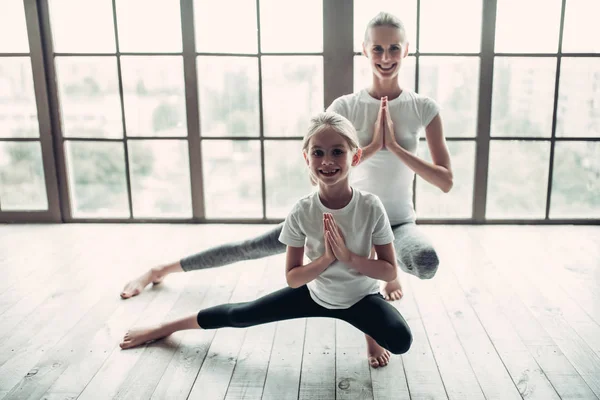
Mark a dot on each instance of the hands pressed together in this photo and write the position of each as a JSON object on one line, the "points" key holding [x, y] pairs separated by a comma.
{"points": [[335, 245], [383, 134]]}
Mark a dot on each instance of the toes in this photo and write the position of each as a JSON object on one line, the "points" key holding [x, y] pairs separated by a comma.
{"points": [[374, 362]]}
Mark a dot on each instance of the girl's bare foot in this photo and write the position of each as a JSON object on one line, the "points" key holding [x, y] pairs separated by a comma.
{"points": [[154, 275], [378, 356], [392, 290], [136, 337]]}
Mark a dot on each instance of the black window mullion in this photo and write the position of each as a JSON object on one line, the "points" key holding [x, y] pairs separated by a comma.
{"points": [[54, 110], [555, 108], [192, 109], [36, 56], [484, 112], [122, 99], [261, 126]]}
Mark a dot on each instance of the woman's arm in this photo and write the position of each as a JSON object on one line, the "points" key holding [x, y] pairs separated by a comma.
{"points": [[440, 172], [384, 268], [297, 274]]}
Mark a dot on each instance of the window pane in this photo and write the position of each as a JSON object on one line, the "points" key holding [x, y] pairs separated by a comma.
{"points": [[365, 10], [454, 83], [96, 174], [576, 180], [22, 184], [291, 26], [363, 75], [515, 32], [292, 93], [228, 88], [160, 178], [578, 113], [458, 203], [82, 26], [88, 89], [581, 31], [18, 110], [523, 96], [441, 33], [149, 25], [154, 96], [517, 179], [232, 179], [13, 29], [240, 36], [286, 176]]}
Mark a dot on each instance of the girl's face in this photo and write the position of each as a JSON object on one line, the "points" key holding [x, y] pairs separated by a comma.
{"points": [[329, 157], [385, 50]]}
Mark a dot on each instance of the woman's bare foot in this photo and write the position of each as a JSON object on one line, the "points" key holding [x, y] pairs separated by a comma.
{"points": [[378, 356], [136, 337], [154, 275], [392, 290]]}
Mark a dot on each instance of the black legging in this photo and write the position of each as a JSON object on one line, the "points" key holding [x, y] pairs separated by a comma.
{"points": [[372, 315]]}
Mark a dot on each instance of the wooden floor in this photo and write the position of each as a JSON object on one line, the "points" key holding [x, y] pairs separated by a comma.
{"points": [[514, 312]]}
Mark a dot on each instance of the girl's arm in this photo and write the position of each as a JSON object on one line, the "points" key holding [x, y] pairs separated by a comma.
{"points": [[440, 172], [297, 274], [384, 268]]}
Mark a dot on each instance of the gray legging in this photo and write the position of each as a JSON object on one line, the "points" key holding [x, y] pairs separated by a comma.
{"points": [[414, 251]]}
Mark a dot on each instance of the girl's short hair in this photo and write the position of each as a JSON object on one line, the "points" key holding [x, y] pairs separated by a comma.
{"points": [[385, 19], [338, 123]]}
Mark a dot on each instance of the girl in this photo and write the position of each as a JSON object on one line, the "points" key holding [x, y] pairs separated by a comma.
{"points": [[389, 120], [338, 225]]}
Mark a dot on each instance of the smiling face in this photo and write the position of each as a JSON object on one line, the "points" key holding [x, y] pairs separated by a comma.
{"points": [[385, 48], [329, 157]]}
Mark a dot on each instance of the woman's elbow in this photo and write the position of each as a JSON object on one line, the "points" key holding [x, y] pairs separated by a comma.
{"points": [[447, 184]]}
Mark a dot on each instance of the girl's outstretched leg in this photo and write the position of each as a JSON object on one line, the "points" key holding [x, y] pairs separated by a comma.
{"points": [[138, 336]]}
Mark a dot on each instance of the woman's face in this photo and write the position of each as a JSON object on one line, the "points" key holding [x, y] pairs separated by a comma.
{"points": [[385, 50]]}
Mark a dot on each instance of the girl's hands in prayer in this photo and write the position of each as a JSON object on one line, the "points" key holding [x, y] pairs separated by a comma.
{"points": [[335, 239], [328, 251]]}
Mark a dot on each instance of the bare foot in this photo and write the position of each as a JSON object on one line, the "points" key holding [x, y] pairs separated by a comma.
{"points": [[135, 287], [392, 290], [136, 337], [378, 356]]}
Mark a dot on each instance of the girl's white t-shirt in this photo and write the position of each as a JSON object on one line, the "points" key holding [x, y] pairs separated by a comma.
{"points": [[363, 223], [383, 173]]}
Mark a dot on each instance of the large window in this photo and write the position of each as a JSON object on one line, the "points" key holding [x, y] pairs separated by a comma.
{"points": [[194, 112]]}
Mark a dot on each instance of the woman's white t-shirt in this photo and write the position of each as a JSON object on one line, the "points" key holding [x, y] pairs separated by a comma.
{"points": [[383, 173], [363, 223]]}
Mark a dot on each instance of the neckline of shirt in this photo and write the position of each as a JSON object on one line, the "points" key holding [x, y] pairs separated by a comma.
{"points": [[339, 210], [365, 94]]}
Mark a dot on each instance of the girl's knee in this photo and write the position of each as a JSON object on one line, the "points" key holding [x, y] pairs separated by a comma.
{"points": [[402, 341]]}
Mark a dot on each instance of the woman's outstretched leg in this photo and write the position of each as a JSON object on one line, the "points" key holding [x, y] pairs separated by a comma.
{"points": [[265, 245]]}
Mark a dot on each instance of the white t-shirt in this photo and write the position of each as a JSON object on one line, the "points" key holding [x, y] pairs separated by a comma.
{"points": [[383, 173], [363, 223]]}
